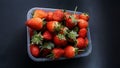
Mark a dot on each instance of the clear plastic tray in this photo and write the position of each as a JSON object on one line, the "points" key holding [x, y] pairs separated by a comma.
{"points": [[83, 54]]}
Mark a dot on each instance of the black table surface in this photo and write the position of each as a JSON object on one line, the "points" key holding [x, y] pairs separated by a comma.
{"points": [[103, 23]]}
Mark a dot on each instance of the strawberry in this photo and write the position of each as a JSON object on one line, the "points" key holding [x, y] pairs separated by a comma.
{"points": [[70, 51], [35, 50], [58, 15], [60, 40], [56, 53], [47, 35], [35, 23], [39, 14], [83, 32], [49, 16], [46, 48], [82, 23], [53, 26], [71, 22], [80, 43], [84, 16]]}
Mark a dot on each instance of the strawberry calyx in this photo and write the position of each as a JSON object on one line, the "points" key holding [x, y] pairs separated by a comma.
{"points": [[37, 38], [51, 55], [76, 29], [57, 26], [74, 20], [47, 45], [61, 37], [64, 30], [72, 35]]}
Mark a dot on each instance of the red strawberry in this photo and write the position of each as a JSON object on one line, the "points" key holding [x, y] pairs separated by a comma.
{"points": [[82, 23], [60, 40], [50, 16], [83, 32], [53, 26], [80, 43], [47, 35], [57, 53], [45, 52], [39, 14], [70, 51], [35, 50], [35, 23], [58, 15], [84, 16], [71, 22], [46, 48]]}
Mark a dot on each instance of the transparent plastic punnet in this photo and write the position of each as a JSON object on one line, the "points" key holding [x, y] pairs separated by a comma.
{"points": [[83, 54]]}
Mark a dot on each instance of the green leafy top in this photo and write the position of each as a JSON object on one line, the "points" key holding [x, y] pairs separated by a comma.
{"points": [[72, 35], [61, 37], [57, 26], [74, 20], [48, 45], [37, 38]]}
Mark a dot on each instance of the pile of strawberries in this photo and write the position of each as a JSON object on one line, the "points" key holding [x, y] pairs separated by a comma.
{"points": [[58, 33]]}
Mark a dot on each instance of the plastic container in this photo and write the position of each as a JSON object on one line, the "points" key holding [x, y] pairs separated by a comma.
{"points": [[83, 54]]}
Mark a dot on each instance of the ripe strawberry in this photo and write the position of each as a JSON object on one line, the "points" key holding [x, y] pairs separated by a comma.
{"points": [[71, 22], [49, 16], [58, 15], [70, 51], [53, 26], [35, 23], [60, 40], [46, 48], [80, 43], [84, 16], [35, 50], [83, 32], [47, 35], [39, 14], [82, 23], [57, 53]]}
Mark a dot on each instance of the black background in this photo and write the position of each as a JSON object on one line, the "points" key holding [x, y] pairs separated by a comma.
{"points": [[104, 26]]}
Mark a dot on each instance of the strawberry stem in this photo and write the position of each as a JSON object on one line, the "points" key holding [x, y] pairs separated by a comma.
{"points": [[75, 10]]}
